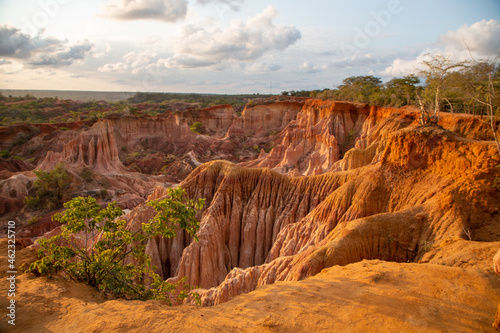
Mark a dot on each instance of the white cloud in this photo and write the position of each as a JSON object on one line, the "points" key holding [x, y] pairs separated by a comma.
{"points": [[483, 39], [133, 62], [162, 10], [39, 51], [113, 68], [309, 67], [10, 67], [233, 4], [262, 67], [63, 56], [242, 41], [16, 44]]}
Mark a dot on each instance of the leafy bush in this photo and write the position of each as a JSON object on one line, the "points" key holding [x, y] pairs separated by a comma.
{"points": [[96, 247], [23, 137], [50, 189], [33, 220], [87, 174], [195, 126], [5, 154]]}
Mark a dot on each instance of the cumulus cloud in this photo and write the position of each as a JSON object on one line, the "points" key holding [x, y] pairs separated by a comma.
{"points": [[262, 67], [309, 67], [39, 51], [63, 56], [482, 38], [16, 44], [242, 41], [233, 4], [162, 10], [133, 62]]}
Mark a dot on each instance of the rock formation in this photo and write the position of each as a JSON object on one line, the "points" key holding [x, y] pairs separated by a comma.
{"points": [[387, 210], [339, 183], [215, 120], [403, 189], [95, 148]]}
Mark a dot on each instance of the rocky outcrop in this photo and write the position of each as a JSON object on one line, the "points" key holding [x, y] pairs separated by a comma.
{"points": [[267, 119], [369, 216], [214, 121], [313, 142], [12, 193], [95, 148], [344, 182], [338, 136], [11, 166], [415, 187]]}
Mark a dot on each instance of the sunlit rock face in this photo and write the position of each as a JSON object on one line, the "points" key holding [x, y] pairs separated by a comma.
{"points": [[339, 183], [398, 189]]}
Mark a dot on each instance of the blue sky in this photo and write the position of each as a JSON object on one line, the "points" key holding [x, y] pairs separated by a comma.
{"points": [[231, 46]]}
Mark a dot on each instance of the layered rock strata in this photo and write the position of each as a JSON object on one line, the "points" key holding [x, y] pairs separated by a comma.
{"points": [[426, 185]]}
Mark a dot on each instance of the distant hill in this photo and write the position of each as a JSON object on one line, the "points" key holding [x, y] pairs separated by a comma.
{"points": [[84, 96]]}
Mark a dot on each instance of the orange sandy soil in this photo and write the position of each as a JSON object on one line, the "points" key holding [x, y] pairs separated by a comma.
{"points": [[368, 296]]}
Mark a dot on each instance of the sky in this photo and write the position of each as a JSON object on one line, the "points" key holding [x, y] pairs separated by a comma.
{"points": [[232, 46]]}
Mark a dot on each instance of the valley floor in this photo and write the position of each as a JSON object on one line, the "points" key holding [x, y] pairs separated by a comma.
{"points": [[368, 296]]}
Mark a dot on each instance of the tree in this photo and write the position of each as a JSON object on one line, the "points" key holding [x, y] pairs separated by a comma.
{"points": [[359, 88], [97, 248], [402, 87], [436, 74], [485, 91], [50, 190]]}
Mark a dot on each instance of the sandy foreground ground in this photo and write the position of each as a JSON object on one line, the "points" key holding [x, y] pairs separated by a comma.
{"points": [[368, 296]]}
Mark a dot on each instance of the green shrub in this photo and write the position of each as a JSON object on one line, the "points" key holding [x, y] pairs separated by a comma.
{"points": [[50, 190], [33, 220], [5, 154], [268, 149], [23, 137], [104, 262], [87, 174], [195, 126]]}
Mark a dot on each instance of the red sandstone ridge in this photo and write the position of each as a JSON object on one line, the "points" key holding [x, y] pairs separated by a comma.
{"points": [[336, 136], [342, 183], [378, 211], [215, 120], [260, 120], [405, 190], [95, 148]]}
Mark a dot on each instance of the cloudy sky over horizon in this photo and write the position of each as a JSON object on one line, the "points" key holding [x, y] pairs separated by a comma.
{"points": [[232, 46]]}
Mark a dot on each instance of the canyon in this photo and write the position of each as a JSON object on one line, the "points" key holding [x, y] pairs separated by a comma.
{"points": [[310, 204]]}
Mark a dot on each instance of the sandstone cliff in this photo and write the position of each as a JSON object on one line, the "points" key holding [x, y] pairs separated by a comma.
{"points": [[387, 210], [404, 190], [335, 136], [214, 121], [342, 183]]}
